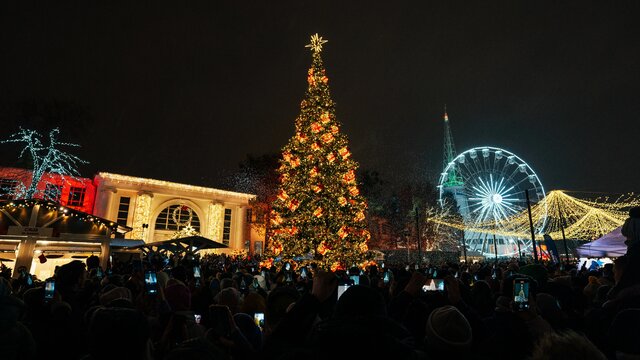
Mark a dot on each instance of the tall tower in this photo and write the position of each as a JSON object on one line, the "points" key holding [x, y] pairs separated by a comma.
{"points": [[449, 154], [453, 184]]}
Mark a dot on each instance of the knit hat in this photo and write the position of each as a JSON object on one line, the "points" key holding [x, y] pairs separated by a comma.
{"points": [[230, 297], [448, 329], [118, 293], [177, 295]]}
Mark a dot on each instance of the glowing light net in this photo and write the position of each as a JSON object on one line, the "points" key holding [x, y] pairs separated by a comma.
{"points": [[584, 219]]}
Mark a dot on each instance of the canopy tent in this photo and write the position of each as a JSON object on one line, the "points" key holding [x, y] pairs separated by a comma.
{"points": [[609, 245], [189, 244]]}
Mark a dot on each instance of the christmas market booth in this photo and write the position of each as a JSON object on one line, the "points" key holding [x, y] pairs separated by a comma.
{"points": [[180, 246], [40, 235]]}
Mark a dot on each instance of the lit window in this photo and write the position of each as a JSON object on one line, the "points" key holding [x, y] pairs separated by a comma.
{"points": [[7, 188], [53, 192], [226, 230], [176, 217], [76, 196], [123, 213]]}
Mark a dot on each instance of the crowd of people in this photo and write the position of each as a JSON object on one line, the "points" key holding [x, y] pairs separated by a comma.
{"points": [[224, 307]]}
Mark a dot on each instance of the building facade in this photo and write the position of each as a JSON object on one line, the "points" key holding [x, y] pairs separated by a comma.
{"points": [[71, 218], [157, 210]]}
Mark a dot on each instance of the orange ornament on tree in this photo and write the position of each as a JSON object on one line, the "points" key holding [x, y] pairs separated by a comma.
{"points": [[267, 263], [314, 171], [335, 129], [342, 201], [282, 195], [315, 146], [344, 152], [323, 248], [349, 177], [295, 162], [301, 137], [318, 188], [363, 247], [318, 212], [359, 216], [316, 128], [325, 79], [343, 232], [325, 118], [293, 204], [331, 157], [276, 247], [354, 191], [327, 138], [336, 266], [276, 220], [286, 156]]}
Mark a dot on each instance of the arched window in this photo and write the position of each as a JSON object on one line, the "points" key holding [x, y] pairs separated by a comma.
{"points": [[176, 217]]}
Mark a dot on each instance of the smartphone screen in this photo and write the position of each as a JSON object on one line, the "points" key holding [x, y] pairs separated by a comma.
{"points": [[196, 275], [386, 277], [99, 273], [355, 279], [49, 289], [287, 267], [197, 318], [433, 285], [342, 289], [29, 280], [521, 294], [303, 273], [151, 282], [258, 318]]}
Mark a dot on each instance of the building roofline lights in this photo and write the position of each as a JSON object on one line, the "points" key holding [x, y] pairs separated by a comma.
{"points": [[132, 180]]}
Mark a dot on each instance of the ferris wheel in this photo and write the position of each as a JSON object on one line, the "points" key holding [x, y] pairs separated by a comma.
{"points": [[488, 185]]}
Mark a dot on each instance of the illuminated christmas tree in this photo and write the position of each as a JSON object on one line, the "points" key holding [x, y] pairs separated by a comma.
{"points": [[319, 214]]}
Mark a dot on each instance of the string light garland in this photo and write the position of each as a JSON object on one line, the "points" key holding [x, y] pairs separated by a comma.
{"points": [[318, 214], [13, 205]]}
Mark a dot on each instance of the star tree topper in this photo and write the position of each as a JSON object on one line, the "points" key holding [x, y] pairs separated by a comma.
{"points": [[316, 43]]}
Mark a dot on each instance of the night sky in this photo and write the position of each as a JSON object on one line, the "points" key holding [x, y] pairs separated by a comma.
{"points": [[183, 90]]}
